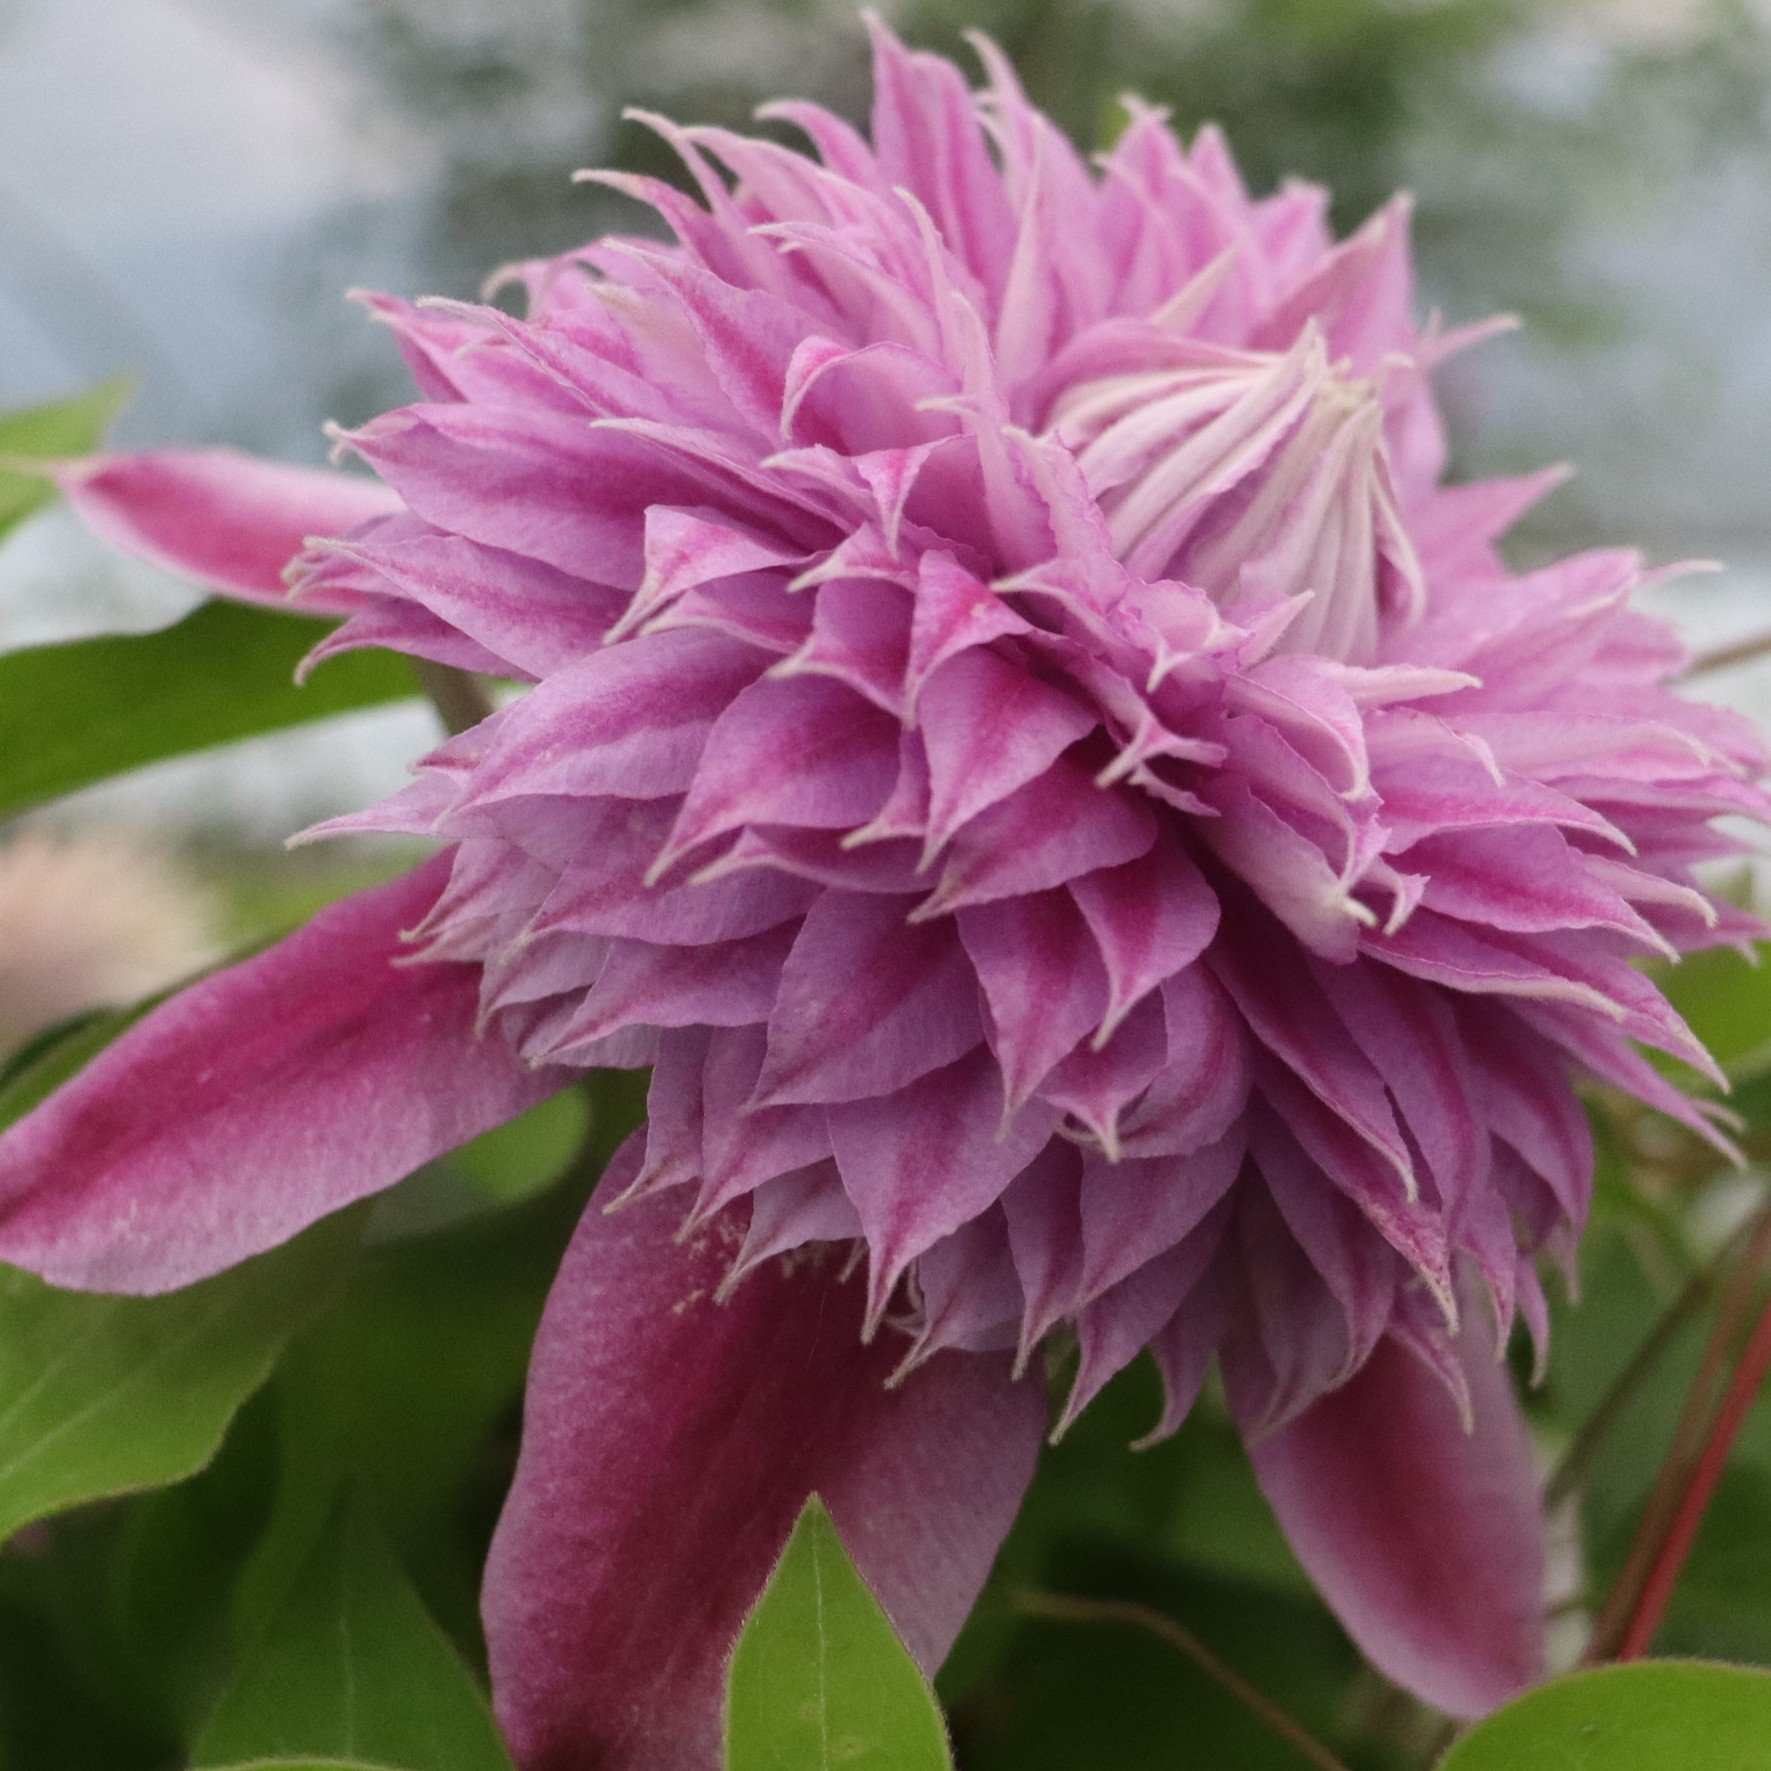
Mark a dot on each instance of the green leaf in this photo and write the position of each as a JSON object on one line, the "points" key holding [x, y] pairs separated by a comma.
{"points": [[515, 1161], [102, 1395], [819, 1678], [409, 1394], [397, 1397], [1726, 999], [48, 433], [151, 1608], [1721, 1606], [1647, 1716], [74, 714], [351, 1666]]}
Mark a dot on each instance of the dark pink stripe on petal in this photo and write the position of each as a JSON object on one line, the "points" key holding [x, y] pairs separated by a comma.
{"points": [[868, 1002], [1042, 978], [257, 1101], [669, 1443], [918, 1163]]}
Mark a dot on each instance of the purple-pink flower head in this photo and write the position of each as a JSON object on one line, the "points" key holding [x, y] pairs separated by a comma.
{"points": [[1029, 751], [1072, 809]]}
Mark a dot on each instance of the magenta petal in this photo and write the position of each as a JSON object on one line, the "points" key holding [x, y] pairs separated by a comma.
{"points": [[257, 1101], [918, 1163], [1426, 1540], [670, 1442], [867, 1003], [225, 520]]}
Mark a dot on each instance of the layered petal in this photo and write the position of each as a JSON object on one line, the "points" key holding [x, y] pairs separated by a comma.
{"points": [[669, 1445], [1422, 1531], [229, 521], [257, 1101]]}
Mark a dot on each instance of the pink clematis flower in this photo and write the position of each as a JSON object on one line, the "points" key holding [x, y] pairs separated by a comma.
{"points": [[1083, 826]]}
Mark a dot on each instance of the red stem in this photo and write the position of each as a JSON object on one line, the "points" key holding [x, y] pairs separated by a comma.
{"points": [[1696, 1423], [1658, 1588]]}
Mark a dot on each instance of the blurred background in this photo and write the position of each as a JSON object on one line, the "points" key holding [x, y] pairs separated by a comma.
{"points": [[187, 187]]}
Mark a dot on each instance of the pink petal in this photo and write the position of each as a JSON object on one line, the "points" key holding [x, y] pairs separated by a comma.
{"points": [[1426, 1539], [1412, 1038], [638, 715], [743, 1146], [806, 752], [1295, 1022], [927, 137], [1115, 1328], [1204, 1085], [988, 728], [860, 637], [1042, 1209], [1150, 917], [868, 1002], [954, 612], [1042, 979], [1047, 832], [918, 1163], [1134, 1211], [520, 610], [224, 519], [669, 1444], [1095, 1087], [257, 1101], [721, 984]]}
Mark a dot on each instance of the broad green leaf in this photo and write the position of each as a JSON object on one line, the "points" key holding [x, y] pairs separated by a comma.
{"points": [[1721, 1607], [73, 714], [819, 1679], [1620, 1306], [396, 1397], [1221, 1522], [48, 433], [155, 1614], [103, 1395], [1034, 1694], [1652, 1715], [351, 1666]]}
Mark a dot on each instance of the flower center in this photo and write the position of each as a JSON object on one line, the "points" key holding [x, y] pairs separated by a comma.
{"points": [[1254, 477]]}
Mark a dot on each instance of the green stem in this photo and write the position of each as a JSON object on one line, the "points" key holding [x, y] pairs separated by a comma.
{"points": [[1578, 1458], [1657, 1589], [1666, 1505], [458, 696]]}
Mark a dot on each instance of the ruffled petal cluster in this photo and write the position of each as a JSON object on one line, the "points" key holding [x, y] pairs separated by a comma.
{"points": [[1078, 817], [1026, 747]]}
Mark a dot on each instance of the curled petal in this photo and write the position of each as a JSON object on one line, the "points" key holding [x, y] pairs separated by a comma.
{"points": [[1426, 1537], [257, 1101], [228, 521]]}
